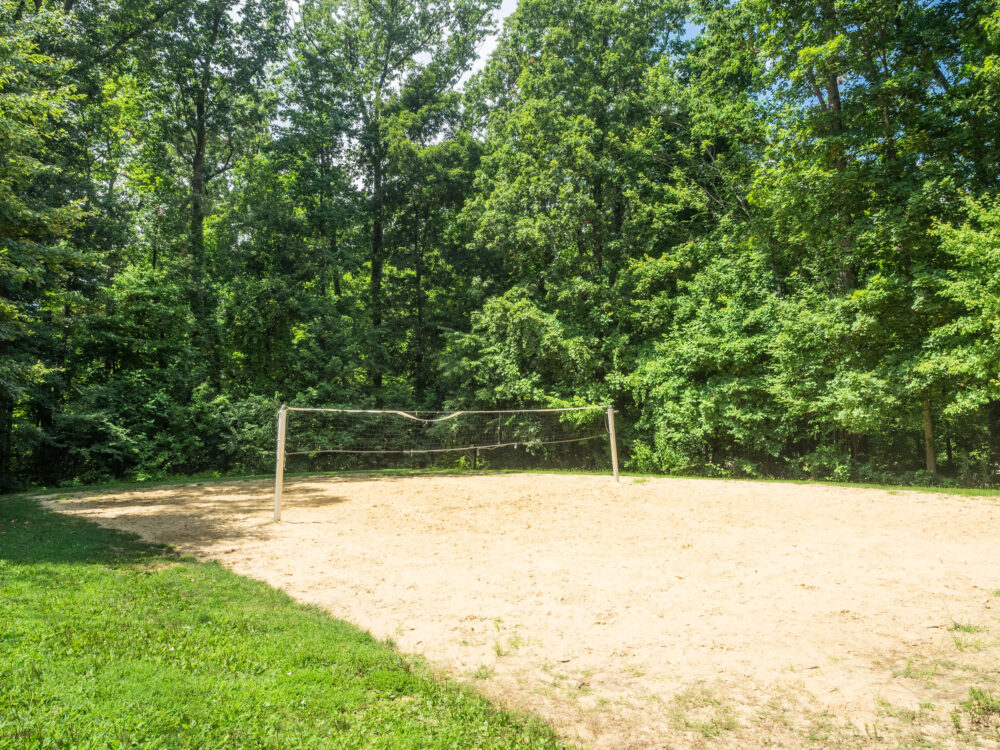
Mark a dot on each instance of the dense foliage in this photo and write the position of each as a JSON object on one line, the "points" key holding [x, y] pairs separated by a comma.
{"points": [[768, 232]]}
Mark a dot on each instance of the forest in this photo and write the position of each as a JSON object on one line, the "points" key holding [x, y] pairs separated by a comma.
{"points": [[767, 232]]}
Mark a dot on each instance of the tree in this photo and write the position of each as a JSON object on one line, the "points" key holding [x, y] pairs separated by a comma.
{"points": [[37, 212], [578, 176], [860, 163], [764, 230], [588, 169], [963, 351], [396, 58], [207, 79]]}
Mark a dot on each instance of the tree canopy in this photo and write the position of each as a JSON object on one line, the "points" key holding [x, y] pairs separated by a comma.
{"points": [[767, 232]]}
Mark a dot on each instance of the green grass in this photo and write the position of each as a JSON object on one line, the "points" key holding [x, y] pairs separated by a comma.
{"points": [[982, 706], [108, 642], [695, 709], [981, 713], [964, 627]]}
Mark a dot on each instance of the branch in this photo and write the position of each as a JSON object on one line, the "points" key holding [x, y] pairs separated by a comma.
{"points": [[226, 166], [941, 78], [816, 90]]}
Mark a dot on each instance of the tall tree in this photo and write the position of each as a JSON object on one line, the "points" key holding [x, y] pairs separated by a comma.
{"points": [[397, 58], [585, 171], [577, 175], [861, 160], [38, 209], [207, 79]]}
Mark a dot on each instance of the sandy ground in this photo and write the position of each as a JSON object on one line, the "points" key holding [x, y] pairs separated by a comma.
{"points": [[659, 613]]}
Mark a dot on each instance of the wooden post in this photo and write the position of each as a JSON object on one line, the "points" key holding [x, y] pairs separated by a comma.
{"points": [[279, 470], [614, 442], [930, 454]]}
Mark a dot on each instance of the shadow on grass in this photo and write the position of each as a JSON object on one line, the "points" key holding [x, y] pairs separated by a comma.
{"points": [[196, 515], [30, 534], [186, 655]]}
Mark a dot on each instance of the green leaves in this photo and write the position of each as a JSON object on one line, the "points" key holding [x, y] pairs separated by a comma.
{"points": [[571, 161], [764, 230], [35, 215]]}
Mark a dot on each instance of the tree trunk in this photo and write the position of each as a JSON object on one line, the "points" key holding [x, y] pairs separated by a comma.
{"points": [[335, 255], [858, 443], [203, 338], [46, 460], [598, 228], [376, 302], [993, 430], [6, 428], [198, 219], [929, 453], [376, 280], [420, 374], [834, 106], [199, 182]]}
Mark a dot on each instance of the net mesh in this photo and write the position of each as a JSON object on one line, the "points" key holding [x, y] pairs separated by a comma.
{"points": [[328, 438]]}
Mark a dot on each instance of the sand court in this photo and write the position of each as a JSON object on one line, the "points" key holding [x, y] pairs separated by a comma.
{"points": [[649, 613]]}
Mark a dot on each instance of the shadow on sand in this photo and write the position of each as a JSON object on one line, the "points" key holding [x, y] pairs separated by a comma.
{"points": [[196, 515]]}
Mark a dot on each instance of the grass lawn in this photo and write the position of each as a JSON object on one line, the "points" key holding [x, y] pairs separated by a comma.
{"points": [[109, 642]]}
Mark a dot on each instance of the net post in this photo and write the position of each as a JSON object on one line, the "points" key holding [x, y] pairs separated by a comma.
{"points": [[279, 469], [614, 442]]}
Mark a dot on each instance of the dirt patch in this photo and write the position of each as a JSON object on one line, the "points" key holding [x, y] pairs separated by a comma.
{"points": [[650, 613]]}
